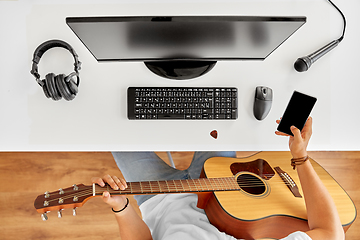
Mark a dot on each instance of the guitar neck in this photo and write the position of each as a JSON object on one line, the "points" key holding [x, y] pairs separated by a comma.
{"points": [[172, 186]]}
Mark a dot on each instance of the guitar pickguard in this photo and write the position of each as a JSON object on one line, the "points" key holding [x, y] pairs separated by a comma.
{"points": [[259, 167]]}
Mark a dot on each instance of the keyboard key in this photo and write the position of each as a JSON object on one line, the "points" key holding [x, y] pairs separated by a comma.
{"points": [[170, 116]]}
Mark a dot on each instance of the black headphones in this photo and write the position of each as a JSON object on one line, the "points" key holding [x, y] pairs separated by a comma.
{"points": [[57, 86]]}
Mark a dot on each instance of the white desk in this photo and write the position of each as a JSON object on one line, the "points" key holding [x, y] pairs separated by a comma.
{"points": [[96, 120]]}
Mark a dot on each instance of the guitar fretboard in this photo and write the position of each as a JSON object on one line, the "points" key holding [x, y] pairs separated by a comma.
{"points": [[174, 186]]}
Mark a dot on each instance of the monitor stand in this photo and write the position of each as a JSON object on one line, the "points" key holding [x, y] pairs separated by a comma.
{"points": [[180, 70]]}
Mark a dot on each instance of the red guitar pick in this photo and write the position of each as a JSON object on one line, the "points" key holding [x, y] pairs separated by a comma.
{"points": [[214, 134]]}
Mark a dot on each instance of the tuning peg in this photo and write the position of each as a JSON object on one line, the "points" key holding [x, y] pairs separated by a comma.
{"points": [[61, 191], [74, 212], [47, 194], [60, 213], [75, 187], [44, 217]]}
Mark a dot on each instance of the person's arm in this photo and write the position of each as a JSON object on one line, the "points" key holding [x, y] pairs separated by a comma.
{"points": [[131, 226], [323, 218]]}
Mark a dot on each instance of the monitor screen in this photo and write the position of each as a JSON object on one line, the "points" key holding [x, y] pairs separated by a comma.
{"points": [[183, 37]]}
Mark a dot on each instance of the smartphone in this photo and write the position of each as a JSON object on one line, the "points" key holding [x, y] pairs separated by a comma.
{"points": [[296, 112]]}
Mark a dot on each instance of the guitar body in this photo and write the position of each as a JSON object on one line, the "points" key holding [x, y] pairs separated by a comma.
{"points": [[271, 212]]}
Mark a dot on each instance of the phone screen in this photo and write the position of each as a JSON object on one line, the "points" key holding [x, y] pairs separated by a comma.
{"points": [[296, 112]]}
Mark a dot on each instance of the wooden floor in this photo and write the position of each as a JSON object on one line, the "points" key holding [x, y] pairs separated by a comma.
{"points": [[24, 176]]}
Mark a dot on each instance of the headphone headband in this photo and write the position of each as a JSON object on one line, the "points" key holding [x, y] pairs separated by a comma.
{"points": [[42, 48]]}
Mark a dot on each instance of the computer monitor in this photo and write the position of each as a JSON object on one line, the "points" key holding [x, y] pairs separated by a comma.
{"points": [[183, 47]]}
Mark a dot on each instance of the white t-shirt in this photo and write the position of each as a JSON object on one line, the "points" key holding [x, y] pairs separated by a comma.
{"points": [[176, 217]]}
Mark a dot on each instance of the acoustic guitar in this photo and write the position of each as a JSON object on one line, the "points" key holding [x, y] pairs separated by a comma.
{"points": [[249, 198]]}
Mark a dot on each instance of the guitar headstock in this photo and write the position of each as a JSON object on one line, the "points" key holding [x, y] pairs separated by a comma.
{"points": [[72, 197]]}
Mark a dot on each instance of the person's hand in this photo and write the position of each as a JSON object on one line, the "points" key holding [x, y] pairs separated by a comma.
{"points": [[300, 140], [116, 202]]}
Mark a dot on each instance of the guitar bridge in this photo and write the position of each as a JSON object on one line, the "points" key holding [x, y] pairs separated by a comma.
{"points": [[289, 182]]}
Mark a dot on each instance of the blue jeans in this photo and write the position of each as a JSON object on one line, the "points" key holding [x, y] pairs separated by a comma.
{"points": [[147, 166]]}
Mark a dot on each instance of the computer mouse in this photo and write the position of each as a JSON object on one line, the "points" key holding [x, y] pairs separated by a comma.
{"points": [[263, 102]]}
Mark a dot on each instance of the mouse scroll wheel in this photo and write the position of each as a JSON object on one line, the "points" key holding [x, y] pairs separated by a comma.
{"points": [[264, 91]]}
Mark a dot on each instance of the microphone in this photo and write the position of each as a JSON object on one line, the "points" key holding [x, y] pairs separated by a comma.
{"points": [[304, 63]]}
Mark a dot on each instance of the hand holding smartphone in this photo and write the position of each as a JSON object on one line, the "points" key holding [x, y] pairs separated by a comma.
{"points": [[297, 112]]}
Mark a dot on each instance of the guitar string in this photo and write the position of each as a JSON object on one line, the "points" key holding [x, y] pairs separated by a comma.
{"points": [[130, 193], [148, 185], [212, 184], [247, 183], [88, 190], [211, 181], [220, 186]]}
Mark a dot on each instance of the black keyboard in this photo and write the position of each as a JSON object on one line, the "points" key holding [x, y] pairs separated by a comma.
{"points": [[182, 103]]}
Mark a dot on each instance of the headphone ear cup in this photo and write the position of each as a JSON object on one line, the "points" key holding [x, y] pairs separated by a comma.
{"points": [[72, 86], [63, 88], [51, 87], [70, 83], [45, 89]]}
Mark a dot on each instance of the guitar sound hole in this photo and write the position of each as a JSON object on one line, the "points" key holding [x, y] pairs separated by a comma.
{"points": [[251, 184]]}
